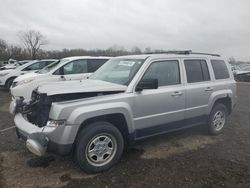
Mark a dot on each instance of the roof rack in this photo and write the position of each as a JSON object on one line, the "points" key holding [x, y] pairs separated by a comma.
{"points": [[199, 53], [184, 52]]}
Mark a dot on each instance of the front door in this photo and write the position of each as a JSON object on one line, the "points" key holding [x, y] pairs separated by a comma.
{"points": [[158, 110], [75, 70]]}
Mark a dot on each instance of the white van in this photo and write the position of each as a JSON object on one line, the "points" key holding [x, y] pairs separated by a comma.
{"points": [[70, 68]]}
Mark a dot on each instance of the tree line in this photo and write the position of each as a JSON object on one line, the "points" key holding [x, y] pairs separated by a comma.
{"points": [[33, 41]]}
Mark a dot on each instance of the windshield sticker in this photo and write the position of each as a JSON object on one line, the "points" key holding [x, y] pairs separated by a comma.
{"points": [[127, 63]]}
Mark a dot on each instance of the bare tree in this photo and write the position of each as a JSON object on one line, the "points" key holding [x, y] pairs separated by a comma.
{"points": [[32, 40], [3, 49]]}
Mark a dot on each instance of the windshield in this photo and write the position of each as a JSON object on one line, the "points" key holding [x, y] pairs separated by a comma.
{"points": [[49, 67], [119, 71]]}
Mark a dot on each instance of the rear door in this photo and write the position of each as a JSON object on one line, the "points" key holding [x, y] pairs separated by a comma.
{"points": [[199, 88]]}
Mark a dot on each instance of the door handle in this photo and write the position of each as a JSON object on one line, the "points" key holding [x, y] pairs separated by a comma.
{"points": [[176, 93], [209, 89]]}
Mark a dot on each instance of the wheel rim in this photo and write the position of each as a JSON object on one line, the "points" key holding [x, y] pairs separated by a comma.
{"points": [[101, 149], [219, 120]]}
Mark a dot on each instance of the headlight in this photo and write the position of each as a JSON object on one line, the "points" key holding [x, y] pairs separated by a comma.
{"points": [[24, 82], [4, 74], [55, 123], [52, 125]]}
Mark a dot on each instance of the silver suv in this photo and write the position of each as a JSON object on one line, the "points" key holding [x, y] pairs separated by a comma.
{"points": [[128, 99]]}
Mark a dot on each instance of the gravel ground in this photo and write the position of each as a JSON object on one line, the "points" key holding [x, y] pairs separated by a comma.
{"points": [[188, 158]]}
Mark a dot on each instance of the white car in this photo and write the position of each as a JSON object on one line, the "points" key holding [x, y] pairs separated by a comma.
{"points": [[7, 76], [6, 67], [13, 66], [70, 68]]}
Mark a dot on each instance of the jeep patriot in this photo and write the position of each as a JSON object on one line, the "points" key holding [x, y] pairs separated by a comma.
{"points": [[128, 99]]}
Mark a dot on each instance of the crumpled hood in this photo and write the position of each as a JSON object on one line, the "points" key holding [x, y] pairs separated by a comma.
{"points": [[83, 86], [30, 75]]}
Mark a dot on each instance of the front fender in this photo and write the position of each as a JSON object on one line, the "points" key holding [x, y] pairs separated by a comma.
{"points": [[79, 115]]}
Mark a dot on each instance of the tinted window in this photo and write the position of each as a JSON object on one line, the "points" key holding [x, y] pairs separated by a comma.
{"points": [[196, 70], [220, 69], [94, 64], [205, 71], [167, 72]]}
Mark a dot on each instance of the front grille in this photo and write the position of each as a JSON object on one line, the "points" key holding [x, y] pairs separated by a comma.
{"points": [[39, 114], [37, 110]]}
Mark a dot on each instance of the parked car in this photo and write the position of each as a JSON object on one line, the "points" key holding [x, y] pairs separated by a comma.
{"points": [[8, 76], [70, 68], [128, 99], [242, 74], [6, 67]]}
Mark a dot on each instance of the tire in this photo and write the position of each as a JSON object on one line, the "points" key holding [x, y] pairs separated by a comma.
{"points": [[216, 127], [9, 83], [98, 147]]}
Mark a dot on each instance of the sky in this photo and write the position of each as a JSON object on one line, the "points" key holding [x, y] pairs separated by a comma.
{"points": [[216, 26]]}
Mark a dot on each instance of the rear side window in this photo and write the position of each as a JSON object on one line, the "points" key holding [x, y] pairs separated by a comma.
{"points": [[94, 64], [196, 70], [220, 69]]}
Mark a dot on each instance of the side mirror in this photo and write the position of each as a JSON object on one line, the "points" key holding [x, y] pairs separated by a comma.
{"points": [[62, 77], [147, 84]]}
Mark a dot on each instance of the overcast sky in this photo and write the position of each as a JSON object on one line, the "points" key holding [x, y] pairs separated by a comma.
{"points": [[220, 26]]}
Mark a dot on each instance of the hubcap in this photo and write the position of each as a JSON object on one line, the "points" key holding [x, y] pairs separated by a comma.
{"points": [[101, 149], [219, 120]]}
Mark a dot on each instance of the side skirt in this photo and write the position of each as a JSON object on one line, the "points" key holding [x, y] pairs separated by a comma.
{"points": [[169, 127]]}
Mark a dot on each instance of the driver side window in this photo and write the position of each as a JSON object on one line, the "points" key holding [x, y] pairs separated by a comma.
{"points": [[74, 67], [166, 72]]}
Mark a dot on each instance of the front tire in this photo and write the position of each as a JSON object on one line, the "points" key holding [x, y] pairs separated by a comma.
{"points": [[9, 83], [217, 119], [99, 146]]}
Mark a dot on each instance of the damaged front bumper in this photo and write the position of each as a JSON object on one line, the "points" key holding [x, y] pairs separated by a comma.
{"points": [[38, 139]]}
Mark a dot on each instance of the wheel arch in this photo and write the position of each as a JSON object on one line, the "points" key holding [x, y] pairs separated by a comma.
{"points": [[12, 77], [116, 119], [226, 101]]}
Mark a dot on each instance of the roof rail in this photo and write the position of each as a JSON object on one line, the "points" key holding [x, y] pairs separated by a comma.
{"points": [[184, 52], [200, 53], [171, 52]]}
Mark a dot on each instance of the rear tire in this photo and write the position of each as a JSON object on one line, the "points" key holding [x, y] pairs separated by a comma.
{"points": [[99, 146], [217, 119]]}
